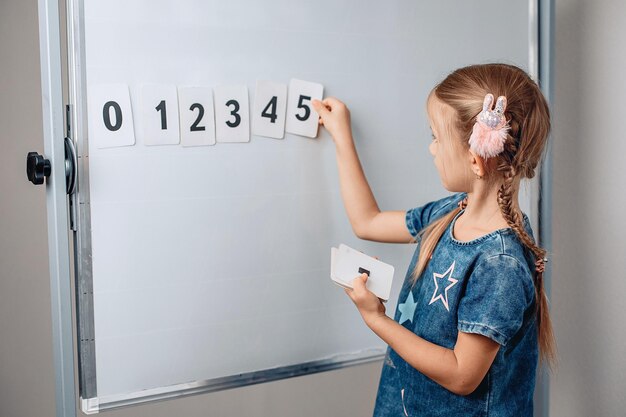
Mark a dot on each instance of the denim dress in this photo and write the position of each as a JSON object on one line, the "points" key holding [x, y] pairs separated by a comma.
{"points": [[483, 286]]}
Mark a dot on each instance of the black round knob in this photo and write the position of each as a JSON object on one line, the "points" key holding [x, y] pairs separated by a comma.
{"points": [[37, 167]]}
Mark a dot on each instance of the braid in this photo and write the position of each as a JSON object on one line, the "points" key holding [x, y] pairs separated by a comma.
{"points": [[528, 116], [514, 220]]}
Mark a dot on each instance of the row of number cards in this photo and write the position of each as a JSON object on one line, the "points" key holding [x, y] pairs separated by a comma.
{"points": [[275, 112]]}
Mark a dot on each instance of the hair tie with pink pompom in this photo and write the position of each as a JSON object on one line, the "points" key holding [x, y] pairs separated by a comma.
{"points": [[491, 128]]}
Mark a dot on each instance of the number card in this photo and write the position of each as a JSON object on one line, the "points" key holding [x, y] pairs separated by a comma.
{"points": [[159, 108], [197, 120], [270, 105], [301, 118], [232, 114], [110, 119]]}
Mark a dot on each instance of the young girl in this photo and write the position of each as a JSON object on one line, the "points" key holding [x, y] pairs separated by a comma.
{"points": [[472, 316]]}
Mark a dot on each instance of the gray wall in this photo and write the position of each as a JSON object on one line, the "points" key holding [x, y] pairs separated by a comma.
{"points": [[588, 259], [589, 226], [26, 365]]}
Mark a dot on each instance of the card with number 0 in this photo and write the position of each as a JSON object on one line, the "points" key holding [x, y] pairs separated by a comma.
{"points": [[270, 104], [301, 118], [232, 114], [110, 116]]}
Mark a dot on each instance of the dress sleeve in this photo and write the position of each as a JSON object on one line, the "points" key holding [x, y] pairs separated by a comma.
{"points": [[419, 217], [498, 292]]}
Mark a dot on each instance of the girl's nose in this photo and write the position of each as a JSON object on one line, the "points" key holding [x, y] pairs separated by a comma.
{"points": [[431, 148]]}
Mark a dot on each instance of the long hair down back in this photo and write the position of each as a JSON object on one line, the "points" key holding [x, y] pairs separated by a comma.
{"points": [[529, 118]]}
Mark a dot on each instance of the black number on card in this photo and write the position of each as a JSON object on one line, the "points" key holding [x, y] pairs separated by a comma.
{"points": [[307, 109], [161, 108], [194, 126], [271, 107], [106, 115], [233, 112]]}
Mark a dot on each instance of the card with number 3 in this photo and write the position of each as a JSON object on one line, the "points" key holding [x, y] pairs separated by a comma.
{"points": [[232, 114]]}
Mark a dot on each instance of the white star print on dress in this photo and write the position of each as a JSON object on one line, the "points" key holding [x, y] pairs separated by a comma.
{"points": [[444, 296]]}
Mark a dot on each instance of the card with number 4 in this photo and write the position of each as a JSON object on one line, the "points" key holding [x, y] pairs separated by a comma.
{"points": [[270, 104], [301, 118]]}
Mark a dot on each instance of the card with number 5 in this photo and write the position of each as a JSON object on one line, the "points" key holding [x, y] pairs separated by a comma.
{"points": [[301, 118]]}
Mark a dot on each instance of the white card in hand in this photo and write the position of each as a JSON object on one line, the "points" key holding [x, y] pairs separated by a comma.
{"points": [[334, 254], [347, 264], [301, 118]]}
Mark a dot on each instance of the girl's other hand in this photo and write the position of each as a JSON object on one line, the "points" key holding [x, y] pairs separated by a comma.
{"points": [[370, 306], [335, 117]]}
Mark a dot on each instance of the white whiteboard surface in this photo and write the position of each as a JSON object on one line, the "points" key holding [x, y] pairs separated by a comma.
{"points": [[213, 261]]}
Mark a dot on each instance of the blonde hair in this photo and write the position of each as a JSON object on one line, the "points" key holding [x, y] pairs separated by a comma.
{"points": [[529, 117]]}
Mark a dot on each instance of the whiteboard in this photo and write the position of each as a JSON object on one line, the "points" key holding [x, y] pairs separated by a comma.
{"points": [[203, 268]]}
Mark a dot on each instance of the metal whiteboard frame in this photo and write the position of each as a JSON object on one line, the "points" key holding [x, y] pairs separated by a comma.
{"points": [[541, 14], [56, 203], [545, 30]]}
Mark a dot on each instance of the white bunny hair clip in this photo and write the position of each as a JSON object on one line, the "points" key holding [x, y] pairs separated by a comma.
{"points": [[491, 128]]}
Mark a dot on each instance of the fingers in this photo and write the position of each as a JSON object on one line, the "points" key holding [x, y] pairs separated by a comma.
{"points": [[321, 110], [320, 107], [359, 282], [358, 286], [350, 294], [328, 105], [332, 103]]}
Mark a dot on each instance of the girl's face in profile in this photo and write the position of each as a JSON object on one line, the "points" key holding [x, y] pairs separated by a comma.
{"points": [[451, 158]]}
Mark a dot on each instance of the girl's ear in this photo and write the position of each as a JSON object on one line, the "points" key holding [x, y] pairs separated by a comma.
{"points": [[477, 164]]}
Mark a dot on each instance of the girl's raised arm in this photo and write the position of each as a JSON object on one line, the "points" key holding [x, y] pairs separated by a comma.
{"points": [[367, 221]]}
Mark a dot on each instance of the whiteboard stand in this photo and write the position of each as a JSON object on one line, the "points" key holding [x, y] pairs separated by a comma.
{"points": [[540, 66], [56, 199], [545, 29]]}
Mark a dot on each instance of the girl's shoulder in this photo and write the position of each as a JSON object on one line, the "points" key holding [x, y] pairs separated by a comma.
{"points": [[502, 254], [419, 217], [500, 247], [445, 205]]}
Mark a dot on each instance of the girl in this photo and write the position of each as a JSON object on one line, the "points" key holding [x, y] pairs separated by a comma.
{"points": [[472, 316]]}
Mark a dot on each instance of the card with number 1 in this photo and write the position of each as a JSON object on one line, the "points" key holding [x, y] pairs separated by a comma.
{"points": [[159, 108]]}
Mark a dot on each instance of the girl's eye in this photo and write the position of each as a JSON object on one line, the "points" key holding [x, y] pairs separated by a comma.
{"points": [[433, 136]]}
